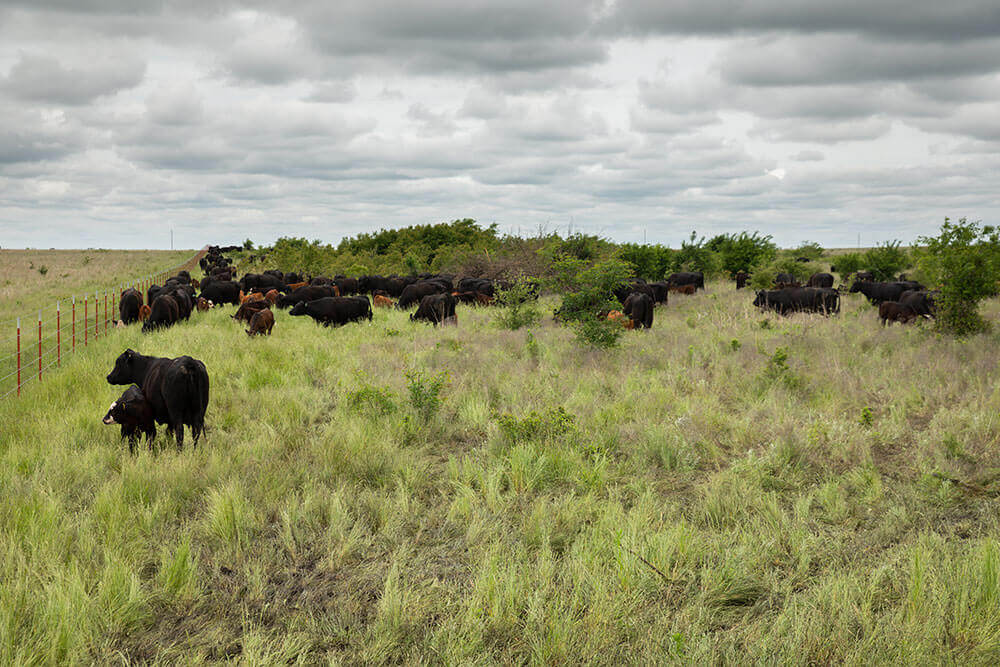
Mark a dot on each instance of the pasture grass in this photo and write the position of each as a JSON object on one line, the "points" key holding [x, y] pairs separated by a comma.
{"points": [[822, 490]]}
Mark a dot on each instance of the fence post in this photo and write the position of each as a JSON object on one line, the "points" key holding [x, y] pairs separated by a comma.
{"points": [[19, 356], [58, 336], [97, 313], [73, 319], [105, 312], [39, 345], [86, 317]]}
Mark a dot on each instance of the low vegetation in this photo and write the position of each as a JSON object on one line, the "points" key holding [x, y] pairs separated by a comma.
{"points": [[726, 487]]}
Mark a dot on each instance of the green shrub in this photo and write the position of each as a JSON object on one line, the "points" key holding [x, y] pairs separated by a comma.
{"points": [[886, 260], [518, 306], [763, 277], [549, 424], [964, 262], [695, 255], [742, 252], [848, 264], [588, 293], [425, 392], [372, 399], [809, 249]]}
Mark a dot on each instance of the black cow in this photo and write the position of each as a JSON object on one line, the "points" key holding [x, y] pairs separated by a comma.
{"points": [[696, 278], [135, 415], [879, 292], [177, 389], [412, 294], [436, 309], [221, 291], [307, 293], [893, 311], [335, 310], [347, 286], [622, 292], [820, 280], [661, 291], [129, 305], [741, 278], [785, 280], [263, 281], [795, 299], [185, 302], [865, 276], [920, 301], [639, 307], [163, 313]]}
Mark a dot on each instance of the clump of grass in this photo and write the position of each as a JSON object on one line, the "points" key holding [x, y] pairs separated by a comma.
{"points": [[550, 424], [425, 392], [378, 400]]}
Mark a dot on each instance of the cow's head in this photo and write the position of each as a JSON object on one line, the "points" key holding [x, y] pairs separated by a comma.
{"points": [[124, 369], [856, 287], [298, 309], [760, 299], [113, 415]]}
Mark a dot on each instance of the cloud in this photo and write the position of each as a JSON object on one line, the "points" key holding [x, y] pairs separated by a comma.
{"points": [[40, 78]]}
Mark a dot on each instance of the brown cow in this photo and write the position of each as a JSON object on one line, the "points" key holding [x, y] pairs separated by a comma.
{"points": [[272, 296], [483, 299], [247, 310], [294, 286], [144, 312], [683, 289], [252, 296], [893, 311], [195, 284], [261, 323], [619, 316], [380, 301], [203, 304]]}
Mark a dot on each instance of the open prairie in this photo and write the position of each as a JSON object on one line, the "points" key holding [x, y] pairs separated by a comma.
{"points": [[729, 486]]}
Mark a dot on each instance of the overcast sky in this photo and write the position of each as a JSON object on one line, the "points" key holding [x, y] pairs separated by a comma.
{"points": [[123, 119]]}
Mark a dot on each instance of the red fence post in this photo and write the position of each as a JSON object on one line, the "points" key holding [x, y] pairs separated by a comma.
{"points": [[97, 313], [73, 326], [86, 314], [105, 312], [39, 346], [19, 356], [58, 336]]}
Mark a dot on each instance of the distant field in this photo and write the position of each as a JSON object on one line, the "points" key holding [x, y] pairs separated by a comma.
{"points": [[729, 487], [33, 279]]}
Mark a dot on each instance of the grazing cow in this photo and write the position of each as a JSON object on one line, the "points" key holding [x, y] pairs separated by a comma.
{"points": [[222, 291], [785, 280], [263, 281], [696, 278], [741, 278], [436, 309], [296, 285], [261, 323], [876, 293], [639, 308], [794, 299], [177, 389], [683, 289], [334, 310], [623, 291], [380, 301], [119, 325], [920, 301], [308, 293], [820, 280], [144, 312], [135, 415], [864, 276], [253, 296], [661, 290], [346, 286], [203, 304], [164, 313], [272, 296], [413, 294], [465, 297], [247, 310], [893, 311], [129, 305], [185, 302], [484, 299]]}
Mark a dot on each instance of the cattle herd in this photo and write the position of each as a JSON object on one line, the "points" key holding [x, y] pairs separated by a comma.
{"points": [[174, 392]]}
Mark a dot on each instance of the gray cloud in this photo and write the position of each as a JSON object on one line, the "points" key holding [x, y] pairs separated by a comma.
{"points": [[40, 78]]}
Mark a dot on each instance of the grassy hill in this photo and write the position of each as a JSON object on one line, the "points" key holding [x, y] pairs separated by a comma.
{"points": [[729, 486]]}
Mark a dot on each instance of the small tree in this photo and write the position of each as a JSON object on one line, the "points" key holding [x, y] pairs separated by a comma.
{"points": [[848, 263], [886, 260], [588, 293], [763, 277], [964, 261], [742, 252], [248, 244], [810, 250], [695, 255], [519, 305]]}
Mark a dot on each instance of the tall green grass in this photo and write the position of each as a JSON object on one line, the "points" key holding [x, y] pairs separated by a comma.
{"points": [[677, 499]]}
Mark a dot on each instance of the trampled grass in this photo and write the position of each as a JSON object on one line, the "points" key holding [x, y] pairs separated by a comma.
{"points": [[693, 496]]}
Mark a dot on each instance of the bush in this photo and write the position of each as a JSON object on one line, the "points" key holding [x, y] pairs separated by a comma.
{"points": [[848, 263], [695, 255], [372, 399], [519, 305], [763, 277], [588, 292], [886, 260], [425, 392], [651, 262], [810, 249], [742, 252], [550, 424], [964, 262]]}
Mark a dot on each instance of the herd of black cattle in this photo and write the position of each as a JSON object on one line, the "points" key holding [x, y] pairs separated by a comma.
{"points": [[174, 392]]}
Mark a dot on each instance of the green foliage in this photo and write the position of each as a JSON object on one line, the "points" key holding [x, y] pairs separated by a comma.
{"points": [[582, 246], [535, 426], [651, 262], [425, 392], [518, 306], [886, 260], [742, 252], [588, 291], [963, 261], [867, 418], [763, 277], [695, 255], [532, 346], [248, 244], [810, 249], [848, 264], [378, 400], [43, 269], [778, 370]]}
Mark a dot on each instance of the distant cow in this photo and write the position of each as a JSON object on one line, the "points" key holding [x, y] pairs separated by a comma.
{"points": [[252, 296], [436, 309], [261, 323], [177, 389], [203, 304], [741, 279], [617, 316], [639, 308], [876, 293], [221, 291], [820, 280], [893, 311], [696, 278], [785, 280], [272, 296], [334, 310], [683, 289], [413, 294], [135, 415], [380, 301], [920, 301], [129, 305], [308, 293]]}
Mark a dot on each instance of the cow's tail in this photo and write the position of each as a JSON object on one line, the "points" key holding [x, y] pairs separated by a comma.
{"points": [[196, 391]]}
